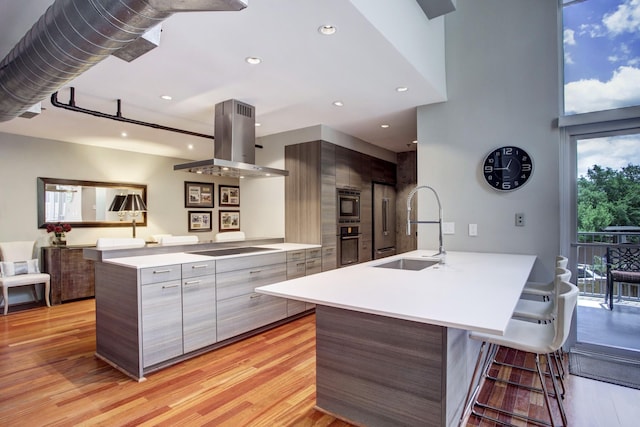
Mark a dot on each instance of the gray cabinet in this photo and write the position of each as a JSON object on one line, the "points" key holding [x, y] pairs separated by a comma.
{"points": [[310, 197], [239, 308], [198, 305], [303, 262], [161, 307], [149, 318], [349, 164]]}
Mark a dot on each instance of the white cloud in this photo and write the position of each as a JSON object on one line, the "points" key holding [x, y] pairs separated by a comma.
{"points": [[589, 95], [625, 19], [610, 152], [569, 37]]}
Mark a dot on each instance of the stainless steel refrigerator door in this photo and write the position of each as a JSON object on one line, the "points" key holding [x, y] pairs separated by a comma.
{"points": [[384, 220]]}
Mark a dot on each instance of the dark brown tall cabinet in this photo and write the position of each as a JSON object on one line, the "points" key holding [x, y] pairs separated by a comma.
{"points": [[316, 169], [72, 276]]}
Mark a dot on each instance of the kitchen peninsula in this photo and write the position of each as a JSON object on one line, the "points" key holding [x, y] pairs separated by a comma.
{"points": [[161, 304], [392, 346]]}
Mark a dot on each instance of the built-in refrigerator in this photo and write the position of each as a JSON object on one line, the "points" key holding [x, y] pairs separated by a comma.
{"points": [[384, 220]]}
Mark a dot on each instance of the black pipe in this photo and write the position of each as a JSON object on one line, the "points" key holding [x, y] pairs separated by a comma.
{"points": [[118, 117]]}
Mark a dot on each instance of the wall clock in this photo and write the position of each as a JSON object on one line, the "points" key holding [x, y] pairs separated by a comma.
{"points": [[507, 168]]}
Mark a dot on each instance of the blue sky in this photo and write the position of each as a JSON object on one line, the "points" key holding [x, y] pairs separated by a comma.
{"points": [[602, 71], [602, 55]]}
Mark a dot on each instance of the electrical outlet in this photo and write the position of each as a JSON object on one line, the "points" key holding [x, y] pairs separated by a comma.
{"points": [[473, 229], [519, 220]]}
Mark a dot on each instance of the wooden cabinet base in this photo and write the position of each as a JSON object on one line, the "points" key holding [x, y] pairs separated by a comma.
{"points": [[382, 371]]}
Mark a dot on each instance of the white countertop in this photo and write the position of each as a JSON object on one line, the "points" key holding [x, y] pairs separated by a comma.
{"points": [[157, 260], [471, 291]]}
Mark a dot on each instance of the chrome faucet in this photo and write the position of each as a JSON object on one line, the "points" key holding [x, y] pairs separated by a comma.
{"points": [[439, 221]]}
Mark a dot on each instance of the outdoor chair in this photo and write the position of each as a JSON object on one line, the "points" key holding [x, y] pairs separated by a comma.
{"points": [[623, 266]]}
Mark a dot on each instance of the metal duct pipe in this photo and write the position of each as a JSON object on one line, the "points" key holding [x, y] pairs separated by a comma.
{"points": [[74, 35]]}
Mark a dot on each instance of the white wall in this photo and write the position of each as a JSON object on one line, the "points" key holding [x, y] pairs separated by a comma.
{"points": [[23, 159], [502, 83]]}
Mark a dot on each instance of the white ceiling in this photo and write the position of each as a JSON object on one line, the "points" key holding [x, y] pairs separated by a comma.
{"points": [[379, 46]]}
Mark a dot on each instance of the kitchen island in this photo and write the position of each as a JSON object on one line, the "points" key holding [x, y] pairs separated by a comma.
{"points": [[154, 310], [392, 345]]}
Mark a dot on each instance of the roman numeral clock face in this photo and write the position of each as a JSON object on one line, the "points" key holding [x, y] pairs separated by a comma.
{"points": [[507, 168]]}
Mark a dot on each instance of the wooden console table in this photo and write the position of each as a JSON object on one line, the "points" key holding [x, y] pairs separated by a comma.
{"points": [[72, 276]]}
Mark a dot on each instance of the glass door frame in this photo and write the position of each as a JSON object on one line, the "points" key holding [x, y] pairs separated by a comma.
{"points": [[572, 129]]}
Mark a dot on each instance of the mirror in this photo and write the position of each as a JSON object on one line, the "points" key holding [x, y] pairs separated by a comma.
{"points": [[85, 203]]}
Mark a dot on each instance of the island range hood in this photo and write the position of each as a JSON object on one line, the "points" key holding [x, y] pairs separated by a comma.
{"points": [[234, 145]]}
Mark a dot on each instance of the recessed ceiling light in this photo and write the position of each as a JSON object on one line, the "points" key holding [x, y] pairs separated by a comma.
{"points": [[327, 30], [123, 134], [166, 97], [385, 126], [225, 168], [338, 103], [253, 60], [402, 89], [199, 172], [241, 177], [415, 141], [190, 146], [258, 124]]}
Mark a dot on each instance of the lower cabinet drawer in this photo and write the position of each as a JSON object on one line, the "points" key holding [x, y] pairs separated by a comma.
{"points": [[296, 269], [313, 266], [247, 312], [242, 282]]}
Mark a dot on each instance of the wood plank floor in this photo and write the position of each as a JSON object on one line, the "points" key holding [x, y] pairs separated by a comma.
{"points": [[49, 376]]}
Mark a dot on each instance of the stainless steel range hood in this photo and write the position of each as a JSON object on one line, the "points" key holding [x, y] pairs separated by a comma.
{"points": [[234, 145]]}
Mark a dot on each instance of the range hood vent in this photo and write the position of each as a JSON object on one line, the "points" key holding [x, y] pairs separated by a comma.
{"points": [[234, 145]]}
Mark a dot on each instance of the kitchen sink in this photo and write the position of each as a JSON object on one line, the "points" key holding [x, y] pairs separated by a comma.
{"points": [[232, 251], [408, 264]]}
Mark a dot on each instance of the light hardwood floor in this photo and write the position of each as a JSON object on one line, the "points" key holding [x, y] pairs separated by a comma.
{"points": [[49, 376]]}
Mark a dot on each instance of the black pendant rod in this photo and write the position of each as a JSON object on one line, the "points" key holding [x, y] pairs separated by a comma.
{"points": [[118, 116]]}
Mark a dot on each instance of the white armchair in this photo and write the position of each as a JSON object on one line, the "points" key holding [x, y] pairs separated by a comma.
{"points": [[19, 267]]}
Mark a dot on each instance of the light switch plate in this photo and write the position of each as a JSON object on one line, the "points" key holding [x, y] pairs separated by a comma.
{"points": [[473, 230], [448, 228]]}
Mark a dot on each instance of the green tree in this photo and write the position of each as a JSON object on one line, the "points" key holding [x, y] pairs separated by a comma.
{"points": [[608, 197]]}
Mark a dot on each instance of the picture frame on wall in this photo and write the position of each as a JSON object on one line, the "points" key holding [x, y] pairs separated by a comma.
{"points": [[198, 194], [199, 221], [229, 195], [228, 221]]}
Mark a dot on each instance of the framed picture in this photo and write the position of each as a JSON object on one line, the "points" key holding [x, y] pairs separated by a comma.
{"points": [[198, 194], [229, 195], [199, 221], [229, 220]]}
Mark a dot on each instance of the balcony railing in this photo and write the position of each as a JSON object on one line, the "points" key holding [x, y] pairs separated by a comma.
{"points": [[591, 269]]}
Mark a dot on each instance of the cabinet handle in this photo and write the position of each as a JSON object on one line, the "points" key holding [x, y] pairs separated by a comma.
{"points": [[300, 264], [311, 262], [170, 286], [161, 271], [329, 250], [199, 266], [254, 296], [255, 272], [192, 282]]}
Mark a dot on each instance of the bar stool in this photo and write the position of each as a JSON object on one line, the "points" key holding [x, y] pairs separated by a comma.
{"points": [[545, 290], [538, 338], [542, 311]]}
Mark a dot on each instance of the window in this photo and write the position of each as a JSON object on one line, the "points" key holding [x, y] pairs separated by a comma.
{"points": [[601, 41]]}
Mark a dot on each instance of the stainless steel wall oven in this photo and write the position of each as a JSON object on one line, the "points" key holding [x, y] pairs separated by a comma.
{"points": [[348, 244], [348, 206]]}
